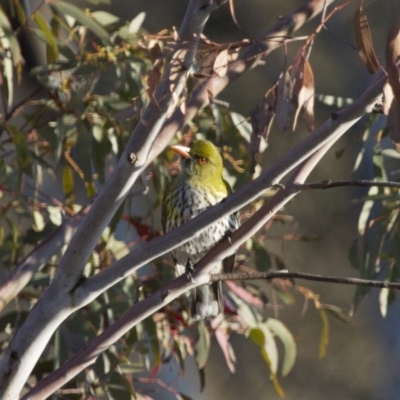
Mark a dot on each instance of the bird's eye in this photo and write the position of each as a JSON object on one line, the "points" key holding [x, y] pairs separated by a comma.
{"points": [[201, 160]]}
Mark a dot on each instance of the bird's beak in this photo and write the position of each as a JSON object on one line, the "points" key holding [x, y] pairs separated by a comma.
{"points": [[183, 151]]}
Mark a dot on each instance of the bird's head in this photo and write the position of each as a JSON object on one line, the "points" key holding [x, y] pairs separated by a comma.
{"points": [[200, 160]]}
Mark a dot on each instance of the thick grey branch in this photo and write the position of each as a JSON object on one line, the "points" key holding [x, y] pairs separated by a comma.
{"points": [[56, 303]]}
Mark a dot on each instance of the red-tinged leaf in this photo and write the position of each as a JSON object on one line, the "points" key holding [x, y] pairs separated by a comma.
{"points": [[221, 63], [153, 78], [261, 121], [392, 58], [305, 97], [222, 337], [364, 40], [245, 295], [393, 123], [144, 230], [284, 105], [155, 52]]}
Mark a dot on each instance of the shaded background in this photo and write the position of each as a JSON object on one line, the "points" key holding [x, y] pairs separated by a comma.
{"points": [[363, 356]]}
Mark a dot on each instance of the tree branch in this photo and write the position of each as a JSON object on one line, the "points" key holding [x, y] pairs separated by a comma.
{"points": [[57, 303], [303, 275], [20, 276], [335, 184], [171, 291]]}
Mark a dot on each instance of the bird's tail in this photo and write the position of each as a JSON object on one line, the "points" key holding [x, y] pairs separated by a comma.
{"points": [[207, 301]]}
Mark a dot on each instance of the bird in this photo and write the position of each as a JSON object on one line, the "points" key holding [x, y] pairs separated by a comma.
{"points": [[198, 186]]}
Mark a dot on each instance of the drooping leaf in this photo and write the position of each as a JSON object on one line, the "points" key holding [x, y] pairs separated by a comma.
{"points": [[324, 341], [52, 48], [23, 157], [261, 121], [288, 343], [263, 338], [364, 40], [222, 337], [262, 258], [86, 20], [393, 123], [305, 97], [392, 53], [284, 100], [221, 63], [232, 10], [202, 347], [245, 295], [8, 38]]}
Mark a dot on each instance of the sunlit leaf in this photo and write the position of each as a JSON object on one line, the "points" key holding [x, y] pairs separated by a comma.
{"points": [[202, 347], [86, 20], [288, 342], [52, 48], [336, 101], [263, 338], [9, 40], [221, 63], [136, 23]]}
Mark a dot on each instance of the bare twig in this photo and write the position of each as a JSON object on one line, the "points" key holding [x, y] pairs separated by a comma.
{"points": [[334, 184], [303, 275]]}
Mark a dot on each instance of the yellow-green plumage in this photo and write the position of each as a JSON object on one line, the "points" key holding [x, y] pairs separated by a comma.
{"points": [[199, 186]]}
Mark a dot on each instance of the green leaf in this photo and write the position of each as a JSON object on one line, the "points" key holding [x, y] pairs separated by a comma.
{"points": [[8, 38], [136, 23], [104, 18], [324, 341], [366, 211], [242, 125], [336, 312], [23, 156], [83, 148], [261, 256], [68, 185], [151, 330], [263, 338], [121, 387], [202, 347], [82, 18], [353, 254], [52, 48], [288, 343]]}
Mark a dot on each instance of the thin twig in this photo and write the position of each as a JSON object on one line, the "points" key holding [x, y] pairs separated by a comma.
{"points": [[285, 274], [328, 184]]}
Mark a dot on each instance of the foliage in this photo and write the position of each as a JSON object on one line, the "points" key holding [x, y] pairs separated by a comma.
{"points": [[60, 143]]}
